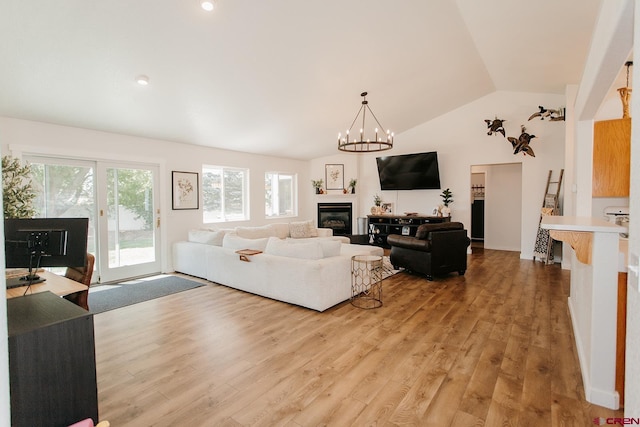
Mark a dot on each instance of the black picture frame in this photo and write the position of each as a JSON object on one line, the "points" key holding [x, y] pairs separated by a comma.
{"points": [[184, 190], [334, 176]]}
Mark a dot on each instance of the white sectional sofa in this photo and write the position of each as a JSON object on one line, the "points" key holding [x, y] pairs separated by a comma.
{"points": [[299, 264]]}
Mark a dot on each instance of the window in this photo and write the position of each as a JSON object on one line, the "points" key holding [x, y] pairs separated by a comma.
{"points": [[224, 194], [280, 191]]}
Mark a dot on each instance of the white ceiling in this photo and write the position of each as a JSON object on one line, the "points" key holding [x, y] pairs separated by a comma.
{"points": [[278, 77]]}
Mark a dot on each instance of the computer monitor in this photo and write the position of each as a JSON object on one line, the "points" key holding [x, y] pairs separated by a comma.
{"points": [[45, 242]]}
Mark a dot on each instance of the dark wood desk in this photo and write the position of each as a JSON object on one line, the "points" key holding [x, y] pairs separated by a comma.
{"points": [[54, 283], [52, 366]]}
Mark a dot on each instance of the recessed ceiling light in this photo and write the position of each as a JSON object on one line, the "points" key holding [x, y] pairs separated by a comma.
{"points": [[142, 80], [207, 5]]}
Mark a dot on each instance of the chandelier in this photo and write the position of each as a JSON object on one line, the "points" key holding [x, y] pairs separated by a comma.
{"points": [[359, 143]]}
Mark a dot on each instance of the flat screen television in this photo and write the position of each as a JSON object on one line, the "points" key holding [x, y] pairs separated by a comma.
{"points": [[417, 171], [45, 242]]}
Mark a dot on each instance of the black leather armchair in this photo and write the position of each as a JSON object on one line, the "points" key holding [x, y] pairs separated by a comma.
{"points": [[436, 249]]}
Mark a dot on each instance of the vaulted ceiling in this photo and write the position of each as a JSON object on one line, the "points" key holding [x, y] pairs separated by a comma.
{"points": [[278, 77]]}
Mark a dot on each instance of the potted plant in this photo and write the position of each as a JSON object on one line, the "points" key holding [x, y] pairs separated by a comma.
{"points": [[317, 185], [17, 189], [447, 199], [376, 209], [352, 185]]}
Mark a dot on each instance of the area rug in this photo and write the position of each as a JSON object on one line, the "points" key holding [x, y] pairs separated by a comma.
{"points": [[387, 268], [109, 297]]}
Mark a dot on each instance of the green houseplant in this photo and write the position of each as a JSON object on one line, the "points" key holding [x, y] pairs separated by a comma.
{"points": [[317, 184], [447, 199], [352, 185], [17, 189]]}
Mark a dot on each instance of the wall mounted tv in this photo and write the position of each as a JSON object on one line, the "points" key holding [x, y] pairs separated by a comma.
{"points": [[417, 171]]}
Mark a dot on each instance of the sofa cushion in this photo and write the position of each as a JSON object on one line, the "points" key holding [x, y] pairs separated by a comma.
{"points": [[303, 250], [302, 229], [424, 230], [209, 237], [330, 247], [255, 232], [280, 229], [233, 241]]}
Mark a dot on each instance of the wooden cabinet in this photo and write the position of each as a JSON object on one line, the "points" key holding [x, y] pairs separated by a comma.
{"points": [[621, 335], [611, 158], [52, 367], [380, 226]]}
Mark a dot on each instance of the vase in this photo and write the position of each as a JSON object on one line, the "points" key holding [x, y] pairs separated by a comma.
{"points": [[353, 190]]}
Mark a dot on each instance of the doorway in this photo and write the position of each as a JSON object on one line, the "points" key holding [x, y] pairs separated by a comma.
{"points": [[121, 203], [502, 205]]}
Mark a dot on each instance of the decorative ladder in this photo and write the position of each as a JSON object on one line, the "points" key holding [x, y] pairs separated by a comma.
{"points": [[544, 243]]}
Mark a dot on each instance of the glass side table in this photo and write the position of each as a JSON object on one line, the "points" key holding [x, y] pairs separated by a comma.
{"points": [[366, 281]]}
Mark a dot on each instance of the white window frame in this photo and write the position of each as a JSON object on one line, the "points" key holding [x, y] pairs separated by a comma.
{"points": [[207, 215], [275, 196]]}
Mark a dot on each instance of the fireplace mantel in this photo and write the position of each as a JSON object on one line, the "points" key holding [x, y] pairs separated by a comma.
{"points": [[341, 198]]}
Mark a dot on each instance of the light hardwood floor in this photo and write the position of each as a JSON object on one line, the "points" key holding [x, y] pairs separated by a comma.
{"points": [[494, 348]]}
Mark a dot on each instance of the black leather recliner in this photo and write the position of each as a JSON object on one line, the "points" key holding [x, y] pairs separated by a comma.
{"points": [[437, 249]]}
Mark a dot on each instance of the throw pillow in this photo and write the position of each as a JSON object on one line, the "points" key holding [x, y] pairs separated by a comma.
{"points": [[306, 250], [280, 229], [302, 229], [255, 232], [233, 241]]}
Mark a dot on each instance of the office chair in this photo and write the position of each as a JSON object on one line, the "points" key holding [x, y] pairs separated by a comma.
{"points": [[81, 275]]}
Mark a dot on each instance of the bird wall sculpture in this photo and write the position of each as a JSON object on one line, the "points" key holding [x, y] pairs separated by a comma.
{"points": [[521, 144], [552, 115], [495, 126]]}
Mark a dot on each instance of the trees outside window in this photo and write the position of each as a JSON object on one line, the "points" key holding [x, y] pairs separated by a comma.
{"points": [[280, 194], [224, 194]]}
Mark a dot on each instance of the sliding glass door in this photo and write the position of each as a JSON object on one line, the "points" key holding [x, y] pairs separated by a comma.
{"points": [[121, 204], [129, 221]]}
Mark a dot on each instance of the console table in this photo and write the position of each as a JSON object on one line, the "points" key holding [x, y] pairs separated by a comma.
{"points": [[381, 226]]}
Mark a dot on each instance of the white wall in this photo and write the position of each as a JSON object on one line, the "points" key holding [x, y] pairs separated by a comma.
{"points": [[461, 140], [27, 136], [616, 34], [632, 385]]}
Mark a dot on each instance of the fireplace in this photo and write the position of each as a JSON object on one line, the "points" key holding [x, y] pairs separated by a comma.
{"points": [[337, 216]]}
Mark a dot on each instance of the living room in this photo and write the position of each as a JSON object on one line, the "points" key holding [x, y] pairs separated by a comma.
{"points": [[457, 131]]}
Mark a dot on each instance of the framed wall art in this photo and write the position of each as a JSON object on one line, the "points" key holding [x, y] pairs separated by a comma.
{"points": [[334, 177], [184, 190]]}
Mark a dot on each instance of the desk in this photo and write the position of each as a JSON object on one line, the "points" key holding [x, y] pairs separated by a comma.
{"points": [[54, 283], [52, 364]]}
